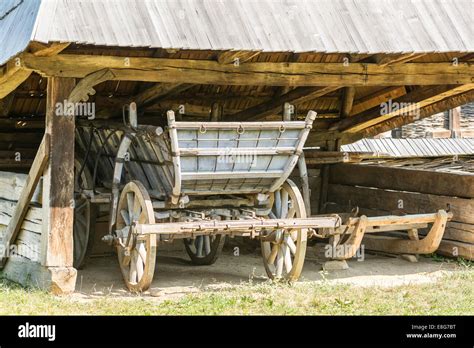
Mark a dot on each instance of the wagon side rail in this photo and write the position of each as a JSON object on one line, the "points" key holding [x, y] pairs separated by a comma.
{"points": [[204, 141]]}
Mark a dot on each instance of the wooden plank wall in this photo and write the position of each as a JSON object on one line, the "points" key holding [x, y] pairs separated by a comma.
{"points": [[29, 238], [380, 190]]}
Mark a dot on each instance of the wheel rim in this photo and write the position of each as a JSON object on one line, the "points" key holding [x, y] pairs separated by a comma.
{"points": [[82, 216], [283, 252], [137, 261]]}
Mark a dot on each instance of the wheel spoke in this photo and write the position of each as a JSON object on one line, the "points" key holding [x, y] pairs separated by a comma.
{"points": [[199, 246], [284, 204], [133, 267], [140, 267], [137, 209], [279, 263], [291, 244], [287, 258], [130, 201], [142, 251], [125, 217], [82, 204], [267, 249], [277, 204], [207, 245], [273, 254]]}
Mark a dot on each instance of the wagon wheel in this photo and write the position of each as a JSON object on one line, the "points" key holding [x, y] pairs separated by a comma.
{"points": [[283, 252], [84, 217], [136, 257], [204, 250]]}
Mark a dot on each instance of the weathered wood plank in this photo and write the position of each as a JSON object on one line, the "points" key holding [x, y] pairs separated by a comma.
{"points": [[404, 179], [395, 201], [12, 184], [456, 249], [34, 175], [459, 232], [58, 179]]}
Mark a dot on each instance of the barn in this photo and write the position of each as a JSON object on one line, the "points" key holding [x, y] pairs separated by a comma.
{"points": [[225, 61]]}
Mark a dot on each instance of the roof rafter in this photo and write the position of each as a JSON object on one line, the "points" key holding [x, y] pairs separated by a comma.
{"points": [[404, 105]]}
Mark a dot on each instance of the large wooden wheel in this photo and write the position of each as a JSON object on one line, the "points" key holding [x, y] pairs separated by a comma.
{"points": [[204, 250], [84, 217], [284, 252], [136, 257]]}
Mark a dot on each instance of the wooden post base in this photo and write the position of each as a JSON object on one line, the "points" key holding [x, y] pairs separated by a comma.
{"points": [[57, 280]]}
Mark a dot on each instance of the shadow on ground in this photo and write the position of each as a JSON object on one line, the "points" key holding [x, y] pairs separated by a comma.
{"points": [[175, 275]]}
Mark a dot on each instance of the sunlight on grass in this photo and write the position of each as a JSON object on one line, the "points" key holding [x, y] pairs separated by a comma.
{"points": [[451, 295]]}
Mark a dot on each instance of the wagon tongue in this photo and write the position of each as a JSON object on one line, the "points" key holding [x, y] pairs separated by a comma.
{"points": [[242, 227]]}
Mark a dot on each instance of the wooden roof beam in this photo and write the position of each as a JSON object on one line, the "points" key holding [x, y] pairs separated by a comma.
{"points": [[158, 91], [347, 101], [6, 104], [259, 74], [404, 105], [298, 95], [12, 75], [374, 99], [42, 50], [429, 110]]}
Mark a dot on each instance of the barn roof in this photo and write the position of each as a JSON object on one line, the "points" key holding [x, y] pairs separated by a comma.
{"points": [[326, 26]]}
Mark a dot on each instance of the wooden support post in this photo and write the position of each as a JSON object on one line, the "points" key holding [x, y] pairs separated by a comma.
{"points": [[216, 112], [288, 110], [325, 180], [455, 122], [348, 94], [58, 190]]}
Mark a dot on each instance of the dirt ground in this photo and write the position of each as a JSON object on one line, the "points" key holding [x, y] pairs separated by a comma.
{"points": [[175, 276]]}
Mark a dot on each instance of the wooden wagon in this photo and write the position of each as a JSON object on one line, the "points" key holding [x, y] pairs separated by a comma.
{"points": [[200, 182], [203, 181]]}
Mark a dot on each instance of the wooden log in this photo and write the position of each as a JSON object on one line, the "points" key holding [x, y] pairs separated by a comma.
{"points": [[261, 73], [377, 98], [460, 232], [406, 202], [58, 180], [404, 179], [456, 249]]}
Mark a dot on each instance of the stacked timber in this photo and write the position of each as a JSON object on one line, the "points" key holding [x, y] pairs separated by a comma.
{"points": [[28, 244], [397, 190]]}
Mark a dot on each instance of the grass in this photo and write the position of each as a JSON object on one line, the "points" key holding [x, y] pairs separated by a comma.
{"points": [[450, 295]]}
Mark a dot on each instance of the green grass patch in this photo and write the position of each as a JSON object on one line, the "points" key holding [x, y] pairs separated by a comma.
{"points": [[450, 295]]}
